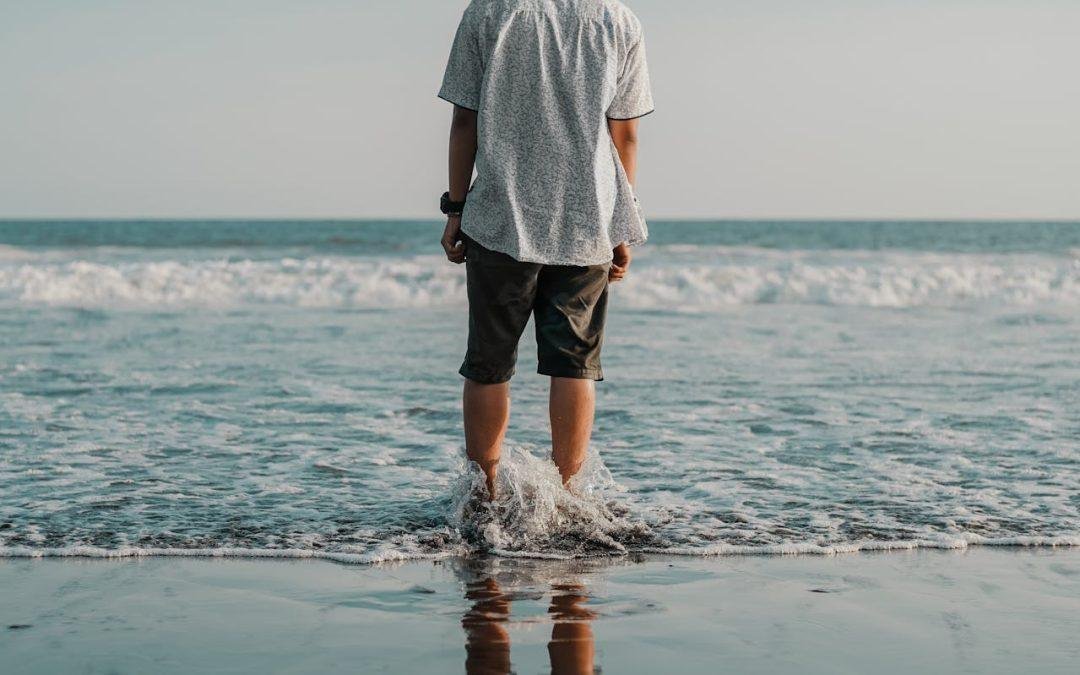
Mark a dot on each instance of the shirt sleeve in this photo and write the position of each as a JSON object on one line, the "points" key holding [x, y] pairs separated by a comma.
{"points": [[633, 96], [465, 70]]}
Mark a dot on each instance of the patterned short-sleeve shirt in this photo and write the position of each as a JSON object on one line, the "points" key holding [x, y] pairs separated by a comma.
{"points": [[545, 76]]}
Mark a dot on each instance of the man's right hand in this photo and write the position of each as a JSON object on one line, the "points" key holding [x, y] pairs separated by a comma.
{"points": [[451, 240], [620, 263]]}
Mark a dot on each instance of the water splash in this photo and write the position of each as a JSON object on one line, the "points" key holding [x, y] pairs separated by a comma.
{"points": [[533, 514]]}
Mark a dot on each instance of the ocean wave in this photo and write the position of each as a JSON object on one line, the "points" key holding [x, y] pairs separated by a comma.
{"points": [[658, 282], [324, 282], [8, 253], [701, 287]]}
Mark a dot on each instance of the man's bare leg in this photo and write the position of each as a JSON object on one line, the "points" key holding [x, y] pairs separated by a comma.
{"points": [[571, 407], [487, 413]]}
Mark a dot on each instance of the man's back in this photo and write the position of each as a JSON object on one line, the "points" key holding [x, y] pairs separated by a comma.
{"points": [[545, 76]]}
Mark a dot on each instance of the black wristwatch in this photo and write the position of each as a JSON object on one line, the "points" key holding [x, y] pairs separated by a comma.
{"points": [[450, 208]]}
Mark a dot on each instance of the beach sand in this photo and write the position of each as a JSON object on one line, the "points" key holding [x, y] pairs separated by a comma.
{"points": [[976, 610]]}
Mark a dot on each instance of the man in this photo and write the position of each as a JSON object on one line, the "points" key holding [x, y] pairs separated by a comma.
{"points": [[546, 98]]}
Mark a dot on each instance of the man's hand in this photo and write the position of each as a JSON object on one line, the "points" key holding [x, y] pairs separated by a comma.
{"points": [[451, 240], [620, 263]]}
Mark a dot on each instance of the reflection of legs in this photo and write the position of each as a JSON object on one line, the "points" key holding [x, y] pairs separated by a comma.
{"points": [[571, 648], [571, 407], [487, 644], [487, 413]]}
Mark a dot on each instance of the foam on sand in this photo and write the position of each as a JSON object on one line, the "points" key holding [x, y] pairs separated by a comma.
{"points": [[374, 557], [391, 554]]}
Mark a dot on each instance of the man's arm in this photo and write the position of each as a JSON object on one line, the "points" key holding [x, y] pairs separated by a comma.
{"points": [[625, 135], [462, 159]]}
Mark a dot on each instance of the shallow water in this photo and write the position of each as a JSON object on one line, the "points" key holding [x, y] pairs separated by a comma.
{"points": [[291, 389]]}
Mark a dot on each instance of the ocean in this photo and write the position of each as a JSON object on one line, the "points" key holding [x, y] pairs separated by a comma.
{"points": [[289, 388]]}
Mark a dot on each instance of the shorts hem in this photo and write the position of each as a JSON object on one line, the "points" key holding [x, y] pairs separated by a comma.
{"points": [[595, 374], [474, 376]]}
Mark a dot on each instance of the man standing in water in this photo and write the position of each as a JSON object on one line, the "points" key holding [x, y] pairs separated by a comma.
{"points": [[546, 98]]}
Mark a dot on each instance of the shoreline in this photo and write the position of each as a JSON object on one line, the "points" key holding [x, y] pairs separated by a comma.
{"points": [[381, 557]]}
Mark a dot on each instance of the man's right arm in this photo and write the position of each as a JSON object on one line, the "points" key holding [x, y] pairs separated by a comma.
{"points": [[462, 160]]}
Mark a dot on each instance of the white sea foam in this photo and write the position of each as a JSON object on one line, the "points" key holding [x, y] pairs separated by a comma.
{"points": [[891, 281], [661, 281], [324, 282], [373, 557], [810, 548], [391, 554]]}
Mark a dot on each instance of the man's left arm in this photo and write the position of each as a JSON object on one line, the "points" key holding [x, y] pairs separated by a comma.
{"points": [[624, 133]]}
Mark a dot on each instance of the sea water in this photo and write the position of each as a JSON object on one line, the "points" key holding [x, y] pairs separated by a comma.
{"points": [[290, 389]]}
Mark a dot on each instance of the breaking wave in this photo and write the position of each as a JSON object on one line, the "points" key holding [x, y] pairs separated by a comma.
{"points": [[662, 280], [9, 253]]}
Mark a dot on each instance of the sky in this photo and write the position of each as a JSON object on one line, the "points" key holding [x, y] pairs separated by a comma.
{"points": [[326, 108]]}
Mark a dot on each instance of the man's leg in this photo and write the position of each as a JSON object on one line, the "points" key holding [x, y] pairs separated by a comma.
{"points": [[487, 413], [570, 310], [571, 407], [501, 292]]}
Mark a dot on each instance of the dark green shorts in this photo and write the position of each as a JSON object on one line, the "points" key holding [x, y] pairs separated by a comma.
{"points": [[569, 303]]}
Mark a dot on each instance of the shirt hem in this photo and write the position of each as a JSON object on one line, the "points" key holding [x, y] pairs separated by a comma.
{"points": [[450, 99], [483, 241]]}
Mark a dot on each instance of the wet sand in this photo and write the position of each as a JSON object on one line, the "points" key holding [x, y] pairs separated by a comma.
{"points": [[978, 610]]}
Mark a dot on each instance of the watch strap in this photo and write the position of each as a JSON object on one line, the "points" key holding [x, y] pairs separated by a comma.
{"points": [[450, 207]]}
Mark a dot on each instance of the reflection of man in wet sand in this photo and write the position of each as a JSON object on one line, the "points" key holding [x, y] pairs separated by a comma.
{"points": [[487, 642], [571, 649]]}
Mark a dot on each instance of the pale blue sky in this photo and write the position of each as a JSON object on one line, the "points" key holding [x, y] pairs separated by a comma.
{"points": [[766, 108]]}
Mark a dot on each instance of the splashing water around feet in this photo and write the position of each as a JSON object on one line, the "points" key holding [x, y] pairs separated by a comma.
{"points": [[533, 514]]}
